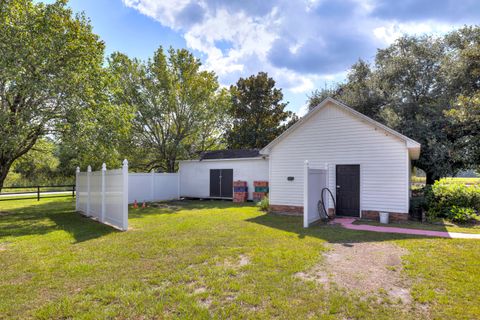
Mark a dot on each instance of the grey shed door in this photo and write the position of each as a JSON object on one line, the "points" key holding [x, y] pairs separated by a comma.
{"points": [[221, 183], [348, 190], [215, 183]]}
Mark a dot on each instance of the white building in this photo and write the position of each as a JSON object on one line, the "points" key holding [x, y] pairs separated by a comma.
{"points": [[213, 174], [367, 165]]}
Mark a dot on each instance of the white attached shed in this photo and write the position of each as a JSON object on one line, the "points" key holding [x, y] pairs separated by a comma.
{"points": [[365, 164], [213, 174]]}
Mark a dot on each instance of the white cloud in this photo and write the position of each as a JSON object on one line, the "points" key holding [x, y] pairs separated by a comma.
{"points": [[163, 11], [391, 31], [301, 44], [303, 110], [251, 38], [247, 36]]}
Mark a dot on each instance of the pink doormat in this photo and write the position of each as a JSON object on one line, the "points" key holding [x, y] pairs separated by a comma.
{"points": [[347, 223]]}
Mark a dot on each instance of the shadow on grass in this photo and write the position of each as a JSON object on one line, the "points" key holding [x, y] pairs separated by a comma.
{"points": [[43, 218], [329, 233]]}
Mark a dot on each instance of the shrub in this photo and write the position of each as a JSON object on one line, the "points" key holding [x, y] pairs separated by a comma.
{"points": [[418, 204], [461, 214], [264, 204], [442, 197]]}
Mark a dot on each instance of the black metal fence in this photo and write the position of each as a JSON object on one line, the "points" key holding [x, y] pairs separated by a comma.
{"points": [[36, 192]]}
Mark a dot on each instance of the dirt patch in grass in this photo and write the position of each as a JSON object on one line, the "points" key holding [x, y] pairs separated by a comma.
{"points": [[206, 302], [4, 213], [3, 246], [372, 268], [242, 261], [170, 206], [199, 290]]}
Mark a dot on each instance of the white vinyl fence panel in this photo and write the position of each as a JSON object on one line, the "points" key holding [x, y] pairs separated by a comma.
{"points": [[96, 194], [153, 187], [103, 195], [81, 191], [314, 181], [116, 198]]}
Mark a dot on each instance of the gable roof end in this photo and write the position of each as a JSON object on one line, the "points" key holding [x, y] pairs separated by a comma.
{"points": [[412, 145]]}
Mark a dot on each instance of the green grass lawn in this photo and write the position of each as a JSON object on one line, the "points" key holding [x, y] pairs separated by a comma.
{"points": [[181, 261]]}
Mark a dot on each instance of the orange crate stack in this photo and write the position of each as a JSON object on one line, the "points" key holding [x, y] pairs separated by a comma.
{"points": [[260, 183], [258, 196], [261, 190], [240, 196], [239, 183]]}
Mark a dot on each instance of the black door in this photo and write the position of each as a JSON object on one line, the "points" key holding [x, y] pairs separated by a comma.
{"points": [[215, 183], [348, 190], [221, 183], [226, 186]]}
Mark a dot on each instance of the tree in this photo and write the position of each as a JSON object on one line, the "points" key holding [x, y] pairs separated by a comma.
{"points": [[409, 74], [179, 109], [463, 75], [466, 124], [38, 165], [48, 61], [413, 86], [95, 133], [359, 90], [318, 95], [257, 113]]}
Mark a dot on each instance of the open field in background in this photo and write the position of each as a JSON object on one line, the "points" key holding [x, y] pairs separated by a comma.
{"points": [[204, 259], [34, 189], [415, 179]]}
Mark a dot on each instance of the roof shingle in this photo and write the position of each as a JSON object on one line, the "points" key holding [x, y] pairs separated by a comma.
{"points": [[230, 154]]}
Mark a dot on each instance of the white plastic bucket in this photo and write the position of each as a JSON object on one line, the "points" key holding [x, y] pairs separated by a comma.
{"points": [[384, 217]]}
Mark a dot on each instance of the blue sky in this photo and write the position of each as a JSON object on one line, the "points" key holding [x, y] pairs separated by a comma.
{"points": [[303, 45]]}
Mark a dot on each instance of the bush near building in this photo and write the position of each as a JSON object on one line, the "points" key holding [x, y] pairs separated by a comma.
{"points": [[454, 201]]}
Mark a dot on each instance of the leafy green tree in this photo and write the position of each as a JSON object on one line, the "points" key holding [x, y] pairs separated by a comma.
{"points": [[38, 166], [48, 61], [409, 74], [359, 90], [257, 113], [466, 125], [179, 109], [95, 133], [413, 86], [318, 95], [462, 71]]}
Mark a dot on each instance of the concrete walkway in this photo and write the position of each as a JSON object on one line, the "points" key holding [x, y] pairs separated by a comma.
{"points": [[347, 223]]}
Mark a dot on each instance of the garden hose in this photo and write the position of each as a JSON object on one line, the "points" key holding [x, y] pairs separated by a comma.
{"points": [[322, 210]]}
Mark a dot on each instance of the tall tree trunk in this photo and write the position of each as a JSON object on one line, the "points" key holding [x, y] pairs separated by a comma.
{"points": [[430, 178], [4, 168], [171, 165]]}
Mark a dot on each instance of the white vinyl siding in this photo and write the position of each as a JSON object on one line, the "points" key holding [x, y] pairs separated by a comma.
{"points": [[195, 175], [334, 136]]}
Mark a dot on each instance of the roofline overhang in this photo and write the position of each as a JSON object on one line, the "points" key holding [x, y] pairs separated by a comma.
{"points": [[263, 157]]}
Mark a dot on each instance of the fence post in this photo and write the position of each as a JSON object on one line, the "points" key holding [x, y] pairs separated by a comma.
{"points": [[89, 173], [125, 195], [102, 213], [152, 174], [305, 194], [178, 182], [38, 193], [77, 172]]}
